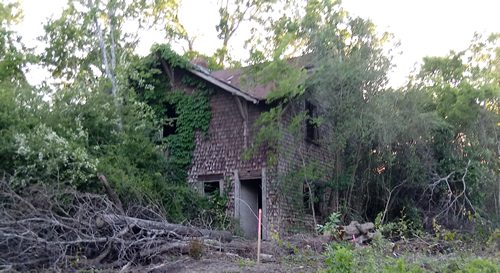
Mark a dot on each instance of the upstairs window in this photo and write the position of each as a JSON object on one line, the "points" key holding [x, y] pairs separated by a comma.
{"points": [[312, 130], [170, 123]]}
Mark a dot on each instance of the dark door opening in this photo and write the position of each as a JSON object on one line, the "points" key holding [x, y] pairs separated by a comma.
{"points": [[250, 203]]}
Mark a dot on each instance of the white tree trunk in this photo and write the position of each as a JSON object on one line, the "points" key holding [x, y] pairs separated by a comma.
{"points": [[109, 69]]}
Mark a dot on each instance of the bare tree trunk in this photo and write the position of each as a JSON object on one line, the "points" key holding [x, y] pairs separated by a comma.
{"points": [[111, 16], [353, 176], [311, 195], [109, 70], [387, 203], [333, 202]]}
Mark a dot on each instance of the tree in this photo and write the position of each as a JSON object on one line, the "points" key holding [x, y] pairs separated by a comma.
{"points": [[319, 52], [231, 15], [465, 89], [13, 54], [94, 30]]}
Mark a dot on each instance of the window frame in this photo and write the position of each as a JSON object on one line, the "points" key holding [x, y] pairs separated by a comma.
{"points": [[212, 178], [311, 128]]}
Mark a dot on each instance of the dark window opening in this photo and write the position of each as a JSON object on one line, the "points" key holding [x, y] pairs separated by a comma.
{"points": [[211, 188], [306, 195], [170, 122], [312, 130]]}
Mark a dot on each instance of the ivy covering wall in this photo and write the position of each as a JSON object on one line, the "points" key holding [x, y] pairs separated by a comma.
{"points": [[193, 115], [154, 86]]}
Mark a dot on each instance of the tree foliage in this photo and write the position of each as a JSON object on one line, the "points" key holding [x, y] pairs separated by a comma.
{"points": [[13, 54], [391, 146], [63, 135], [464, 89]]}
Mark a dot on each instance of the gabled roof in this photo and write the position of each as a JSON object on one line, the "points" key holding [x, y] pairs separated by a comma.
{"points": [[232, 76], [231, 79], [223, 84]]}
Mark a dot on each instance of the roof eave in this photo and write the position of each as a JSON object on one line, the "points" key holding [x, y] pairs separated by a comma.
{"points": [[229, 88]]}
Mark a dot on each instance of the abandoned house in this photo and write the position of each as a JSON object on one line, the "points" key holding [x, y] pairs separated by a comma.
{"points": [[219, 164]]}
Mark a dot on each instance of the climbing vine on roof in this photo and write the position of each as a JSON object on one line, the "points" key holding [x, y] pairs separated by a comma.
{"points": [[171, 57]]}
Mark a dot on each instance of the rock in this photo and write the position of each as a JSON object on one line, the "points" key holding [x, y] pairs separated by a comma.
{"points": [[359, 233], [351, 229], [267, 258], [366, 227]]}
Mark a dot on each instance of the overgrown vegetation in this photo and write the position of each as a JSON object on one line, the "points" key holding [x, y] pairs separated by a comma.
{"points": [[380, 258], [67, 134], [428, 149], [420, 158]]}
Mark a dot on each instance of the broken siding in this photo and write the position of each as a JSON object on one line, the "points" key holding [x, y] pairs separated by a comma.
{"points": [[294, 149], [220, 152]]}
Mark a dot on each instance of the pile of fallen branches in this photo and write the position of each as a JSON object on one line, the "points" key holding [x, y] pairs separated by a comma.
{"points": [[47, 228], [449, 197]]}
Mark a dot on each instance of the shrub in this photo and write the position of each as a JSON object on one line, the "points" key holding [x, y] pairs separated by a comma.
{"points": [[400, 266], [331, 225], [480, 266], [339, 259], [44, 156]]}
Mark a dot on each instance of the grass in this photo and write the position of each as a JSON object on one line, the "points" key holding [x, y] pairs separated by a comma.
{"points": [[383, 257]]}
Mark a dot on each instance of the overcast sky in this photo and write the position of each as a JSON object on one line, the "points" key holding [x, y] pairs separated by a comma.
{"points": [[424, 27]]}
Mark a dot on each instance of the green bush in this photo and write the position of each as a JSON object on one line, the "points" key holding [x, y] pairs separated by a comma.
{"points": [[480, 266], [339, 259], [77, 135], [400, 266], [379, 259], [43, 156], [331, 225]]}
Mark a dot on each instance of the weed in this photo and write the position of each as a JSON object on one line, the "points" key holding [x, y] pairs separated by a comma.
{"points": [[331, 225], [244, 262], [339, 259], [480, 266], [195, 249]]}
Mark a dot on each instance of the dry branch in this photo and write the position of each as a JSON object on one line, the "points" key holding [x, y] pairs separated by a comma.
{"points": [[453, 196], [110, 192], [58, 230], [164, 227]]}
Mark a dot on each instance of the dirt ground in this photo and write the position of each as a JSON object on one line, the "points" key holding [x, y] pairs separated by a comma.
{"points": [[223, 263], [300, 254]]}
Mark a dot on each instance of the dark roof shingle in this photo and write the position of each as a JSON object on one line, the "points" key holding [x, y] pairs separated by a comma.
{"points": [[233, 77]]}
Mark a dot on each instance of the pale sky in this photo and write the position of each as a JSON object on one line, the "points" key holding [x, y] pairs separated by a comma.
{"points": [[424, 27]]}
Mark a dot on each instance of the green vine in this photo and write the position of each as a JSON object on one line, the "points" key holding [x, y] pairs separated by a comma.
{"points": [[192, 110], [171, 57], [193, 114]]}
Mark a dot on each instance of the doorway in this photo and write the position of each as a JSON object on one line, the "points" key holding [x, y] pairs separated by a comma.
{"points": [[250, 203]]}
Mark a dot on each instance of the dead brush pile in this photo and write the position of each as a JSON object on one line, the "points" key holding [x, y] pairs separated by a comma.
{"points": [[55, 229]]}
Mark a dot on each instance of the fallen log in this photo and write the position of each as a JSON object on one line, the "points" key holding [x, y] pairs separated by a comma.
{"points": [[110, 192], [44, 227], [159, 227]]}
